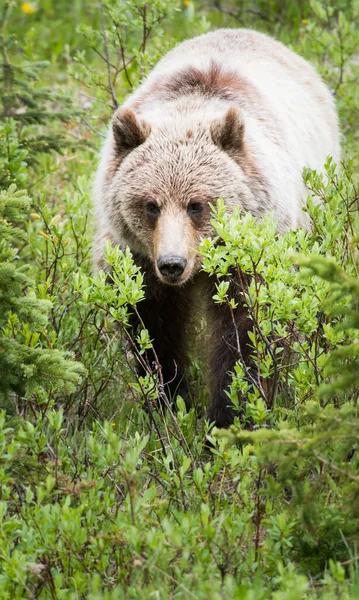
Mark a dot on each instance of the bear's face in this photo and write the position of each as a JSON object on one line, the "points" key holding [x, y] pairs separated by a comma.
{"points": [[162, 192]]}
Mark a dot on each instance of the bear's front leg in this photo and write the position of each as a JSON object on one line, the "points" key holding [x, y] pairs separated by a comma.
{"points": [[224, 355], [165, 313]]}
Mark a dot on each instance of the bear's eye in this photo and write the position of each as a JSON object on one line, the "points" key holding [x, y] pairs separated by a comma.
{"points": [[194, 209], [152, 209]]}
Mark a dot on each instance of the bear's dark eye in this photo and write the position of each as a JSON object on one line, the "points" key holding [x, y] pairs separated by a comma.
{"points": [[195, 209], [152, 209]]}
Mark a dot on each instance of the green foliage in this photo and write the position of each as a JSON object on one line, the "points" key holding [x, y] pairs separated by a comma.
{"points": [[343, 362], [31, 112], [122, 43], [331, 32], [305, 351], [29, 364], [13, 165], [85, 311], [112, 521], [292, 339], [106, 490]]}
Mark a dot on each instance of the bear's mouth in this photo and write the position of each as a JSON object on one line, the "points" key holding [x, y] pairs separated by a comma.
{"points": [[174, 281]]}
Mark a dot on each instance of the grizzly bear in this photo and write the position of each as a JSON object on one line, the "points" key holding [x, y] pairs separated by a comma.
{"points": [[231, 114]]}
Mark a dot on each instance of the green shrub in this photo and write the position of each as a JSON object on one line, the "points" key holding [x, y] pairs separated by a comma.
{"points": [[305, 351]]}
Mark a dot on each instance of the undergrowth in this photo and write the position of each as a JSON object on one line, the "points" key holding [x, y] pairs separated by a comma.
{"points": [[108, 490]]}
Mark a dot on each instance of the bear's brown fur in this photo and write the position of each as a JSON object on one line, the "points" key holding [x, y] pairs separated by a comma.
{"points": [[231, 114]]}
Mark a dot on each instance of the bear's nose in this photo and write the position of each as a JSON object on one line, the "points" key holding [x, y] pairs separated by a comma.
{"points": [[171, 267]]}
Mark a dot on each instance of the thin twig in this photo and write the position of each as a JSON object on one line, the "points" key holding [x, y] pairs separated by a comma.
{"points": [[108, 64]]}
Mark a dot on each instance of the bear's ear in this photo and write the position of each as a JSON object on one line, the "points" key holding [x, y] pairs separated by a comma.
{"points": [[228, 133], [128, 131]]}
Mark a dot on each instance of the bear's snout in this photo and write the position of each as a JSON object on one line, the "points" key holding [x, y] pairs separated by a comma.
{"points": [[171, 267]]}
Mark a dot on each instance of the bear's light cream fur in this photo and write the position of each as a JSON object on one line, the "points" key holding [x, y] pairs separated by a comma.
{"points": [[284, 119]]}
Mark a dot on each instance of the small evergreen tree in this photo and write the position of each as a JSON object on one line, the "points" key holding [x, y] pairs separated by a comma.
{"points": [[29, 363]]}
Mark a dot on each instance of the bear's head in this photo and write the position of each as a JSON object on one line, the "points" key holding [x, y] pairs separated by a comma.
{"points": [[165, 177]]}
